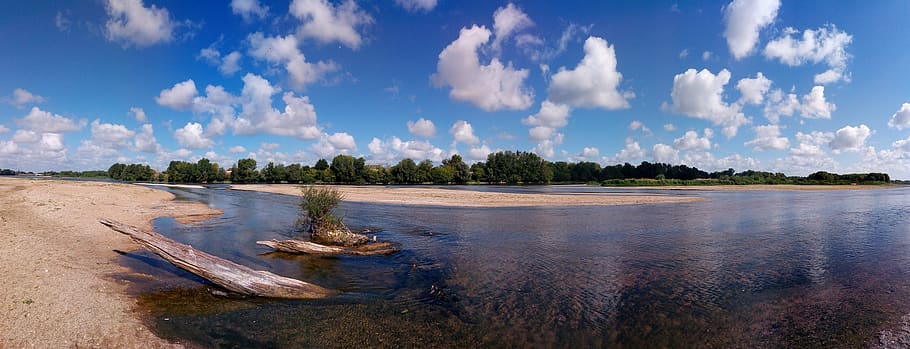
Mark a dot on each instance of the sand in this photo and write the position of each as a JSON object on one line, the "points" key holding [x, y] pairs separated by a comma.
{"points": [[467, 198], [57, 262]]}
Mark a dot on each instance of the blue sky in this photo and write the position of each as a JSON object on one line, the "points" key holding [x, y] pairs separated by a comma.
{"points": [[790, 86]]}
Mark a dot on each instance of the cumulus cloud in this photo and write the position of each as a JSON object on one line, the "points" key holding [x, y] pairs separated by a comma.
{"points": [[41, 121], [417, 5], [145, 140], [506, 22], [826, 45], [850, 138], [258, 115], [22, 98], [744, 19], [815, 106], [422, 128], [593, 83], [462, 132], [901, 119], [249, 9], [700, 95], [708, 162], [551, 115], [334, 144], [691, 141], [283, 51], [490, 87], [178, 97], [630, 153], [778, 104], [138, 113], [665, 153], [637, 125], [327, 23], [237, 149], [768, 137], [130, 23], [546, 147], [3, 129], [669, 127], [590, 152], [808, 156], [394, 150], [192, 137], [478, 153], [230, 64], [111, 135], [753, 90]]}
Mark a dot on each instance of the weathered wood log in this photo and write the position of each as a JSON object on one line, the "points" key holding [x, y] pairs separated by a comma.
{"points": [[306, 247], [232, 276]]}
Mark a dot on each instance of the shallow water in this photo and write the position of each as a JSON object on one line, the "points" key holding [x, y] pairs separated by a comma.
{"points": [[741, 269]]}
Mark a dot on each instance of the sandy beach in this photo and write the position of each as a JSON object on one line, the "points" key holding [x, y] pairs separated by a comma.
{"points": [[57, 262], [466, 198]]}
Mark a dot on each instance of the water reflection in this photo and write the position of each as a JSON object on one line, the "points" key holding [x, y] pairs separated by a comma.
{"points": [[742, 269]]}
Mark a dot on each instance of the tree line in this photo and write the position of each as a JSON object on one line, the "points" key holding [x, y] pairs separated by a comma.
{"points": [[504, 167]]}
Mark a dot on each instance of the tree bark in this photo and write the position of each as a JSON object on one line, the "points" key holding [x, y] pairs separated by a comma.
{"points": [[232, 276], [306, 247]]}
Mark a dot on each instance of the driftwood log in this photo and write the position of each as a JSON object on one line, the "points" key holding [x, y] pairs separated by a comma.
{"points": [[306, 247], [232, 276]]}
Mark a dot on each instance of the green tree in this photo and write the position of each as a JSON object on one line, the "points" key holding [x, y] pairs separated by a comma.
{"points": [[205, 171], [245, 171], [461, 172], [405, 172], [425, 171], [478, 172], [343, 169]]}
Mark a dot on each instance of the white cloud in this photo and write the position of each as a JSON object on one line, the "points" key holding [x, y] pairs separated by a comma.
{"points": [[507, 21], [327, 23], [815, 106], [706, 161], [590, 153], [824, 45], [44, 122], [541, 133], [753, 90], [665, 154], [3, 130], [700, 95], [283, 51], [52, 142], [462, 132], [178, 97], [706, 55], [422, 128], [62, 22], [743, 20], [808, 156], [490, 87], [335, 144], [237, 149], [684, 53], [395, 149], [901, 118], [139, 114], [9, 148], [192, 137], [768, 138], [636, 125], [551, 115], [21, 98], [902, 145], [778, 105], [546, 147], [249, 9], [669, 127], [269, 146], [26, 136], [593, 83], [258, 115], [145, 140], [479, 153], [230, 64], [417, 5], [691, 141], [850, 138], [110, 135], [130, 23], [630, 153]]}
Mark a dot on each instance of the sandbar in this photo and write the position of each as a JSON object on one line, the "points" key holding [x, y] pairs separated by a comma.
{"points": [[57, 262]]}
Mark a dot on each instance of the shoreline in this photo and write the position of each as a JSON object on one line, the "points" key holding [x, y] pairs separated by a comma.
{"points": [[763, 187], [58, 262], [422, 196]]}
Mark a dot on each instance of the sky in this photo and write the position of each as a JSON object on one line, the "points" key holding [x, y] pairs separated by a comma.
{"points": [[771, 85]]}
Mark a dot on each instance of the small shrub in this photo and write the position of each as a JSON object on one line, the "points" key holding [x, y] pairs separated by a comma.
{"points": [[318, 208]]}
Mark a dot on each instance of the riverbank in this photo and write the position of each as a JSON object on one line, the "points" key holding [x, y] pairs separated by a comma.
{"points": [[57, 262], [420, 196], [763, 187]]}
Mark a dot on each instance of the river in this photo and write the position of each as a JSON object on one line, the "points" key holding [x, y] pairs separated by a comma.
{"points": [[740, 269]]}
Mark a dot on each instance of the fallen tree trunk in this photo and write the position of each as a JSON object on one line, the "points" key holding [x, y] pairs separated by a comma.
{"points": [[306, 247], [232, 276]]}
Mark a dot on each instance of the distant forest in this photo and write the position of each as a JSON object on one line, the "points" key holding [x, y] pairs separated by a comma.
{"points": [[504, 167]]}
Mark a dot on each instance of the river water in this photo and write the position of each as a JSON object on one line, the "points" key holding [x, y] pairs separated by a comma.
{"points": [[740, 269]]}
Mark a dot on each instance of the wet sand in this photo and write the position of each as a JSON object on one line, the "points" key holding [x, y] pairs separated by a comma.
{"points": [[466, 198], [57, 262]]}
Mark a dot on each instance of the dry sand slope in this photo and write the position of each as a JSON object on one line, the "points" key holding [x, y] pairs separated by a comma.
{"points": [[56, 262], [468, 198]]}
